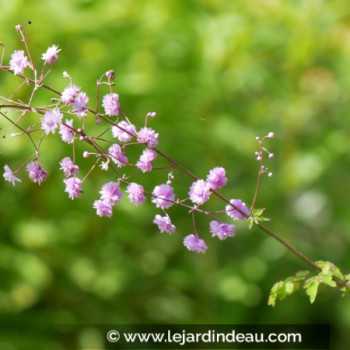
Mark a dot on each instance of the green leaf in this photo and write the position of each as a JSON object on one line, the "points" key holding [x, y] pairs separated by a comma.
{"points": [[301, 275], [273, 293], [250, 223], [328, 280], [289, 287], [258, 212], [311, 286]]}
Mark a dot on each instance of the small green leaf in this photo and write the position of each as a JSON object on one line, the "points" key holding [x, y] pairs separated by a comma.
{"points": [[301, 275], [273, 293], [289, 287], [328, 280], [250, 223], [258, 212], [311, 286]]}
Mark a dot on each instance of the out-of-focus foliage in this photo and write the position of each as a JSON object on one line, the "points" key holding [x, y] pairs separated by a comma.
{"points": [[218, 73]]}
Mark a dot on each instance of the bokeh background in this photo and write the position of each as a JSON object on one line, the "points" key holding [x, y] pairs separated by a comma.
{"points": [[218, 73]]}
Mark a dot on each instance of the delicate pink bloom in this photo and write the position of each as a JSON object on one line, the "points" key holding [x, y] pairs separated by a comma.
{"points": [[102, 208], [120, 134], [51, 120], [217, 178], [111, 193], [70, 93], [136, 193], [117, 155], [73, 187], [148, 136], [199, 192], [146, 159], [18, 62], [237, 212], [151, 114], [36, 172], [222, 230], [195, 244], [164, 224], [111, 104], [66, 132], [10, 176], [163, 196], [80, 105], [68, 167], [50, 56]]}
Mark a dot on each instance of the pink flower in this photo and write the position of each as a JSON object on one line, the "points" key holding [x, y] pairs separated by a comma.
{"points": [[195, 244], [68, 167], [122, 135], [70, 93], [237, 214], [164, 224], [73, 187], [80, 105], [221, 230], [18, 62], [111, 193], [36, 172], [199, 192], [111, 104], [67, 134], [117, 156], [51, 120], [50, 56], [217, 178], [146, 159], [163, 196], [136, 193], [102, 208], [10, 176], [148, 136]]}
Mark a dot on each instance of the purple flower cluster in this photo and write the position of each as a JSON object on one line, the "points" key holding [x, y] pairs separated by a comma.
{"points": [[18, 62], [66, 131], [36, 173], [117, 156], [163, 196], [111, 104], [199, 192], [50, 56], [70, 93], [136, 193], [164, 224], [73, 100], [222, 230], [110, 196], [124, 131], [68, 167], [80, 105], [148, 136], [73, 187], [146, 160], [238, 210], [51, 120], [217, 178], [10, 176], [195, 244]]}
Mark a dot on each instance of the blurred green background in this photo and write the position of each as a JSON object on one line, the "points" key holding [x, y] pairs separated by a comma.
{"points": [[218, 73]]}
